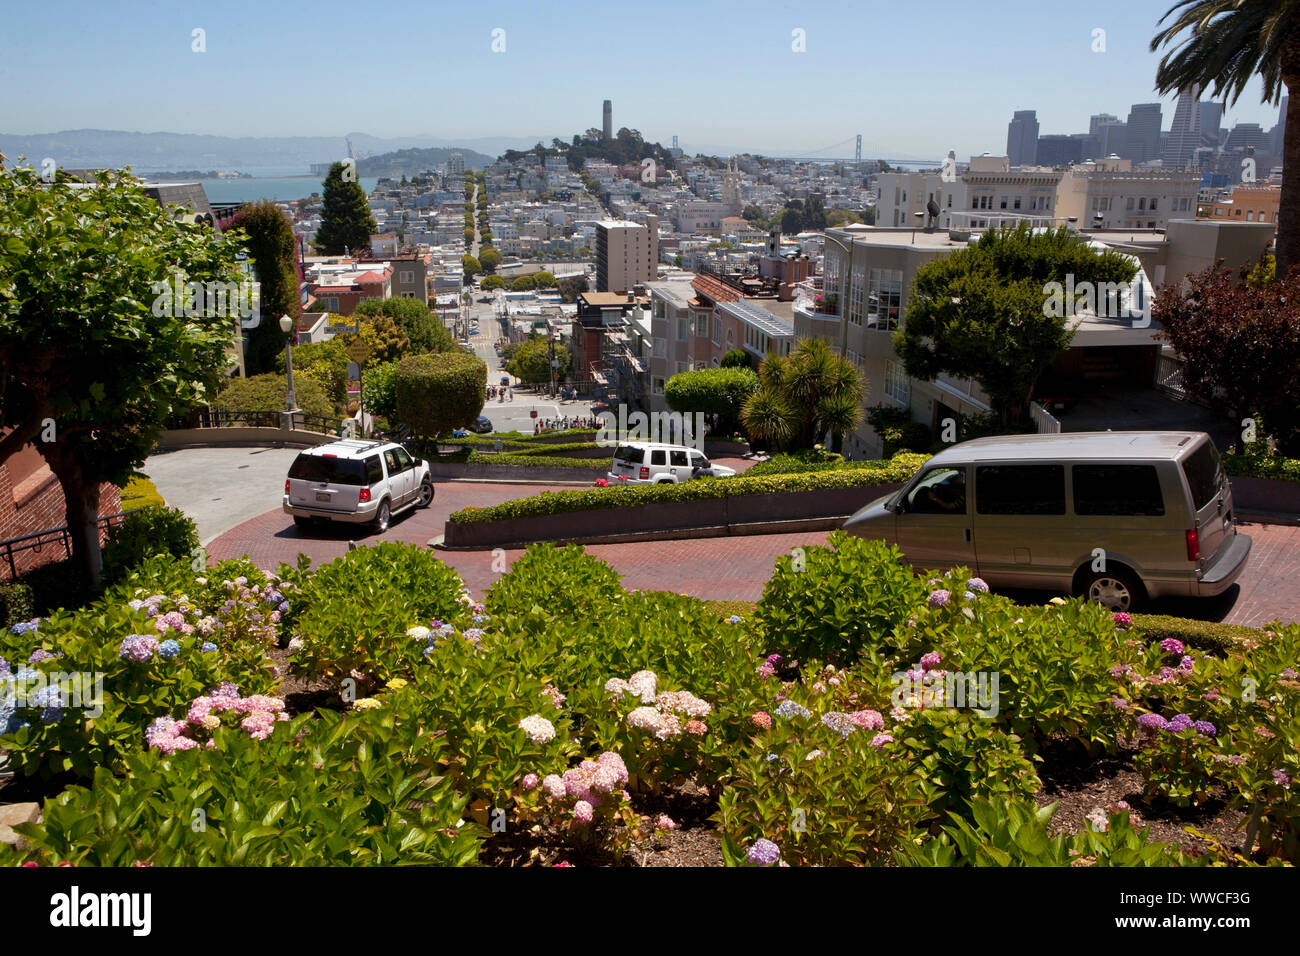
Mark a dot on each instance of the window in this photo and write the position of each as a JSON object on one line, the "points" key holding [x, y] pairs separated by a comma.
{"points": [[701, 324], [1117, 490], [1004, 202], [677, 458], [940, 491], [1131, 203], [884, 299], [1153, 205], [950, 200], [683, 329], [683, 367], [1204, 475], [374, 473], [857, 281], [657, 457], [658, 386], [406, 275], [717, 330], [1250, 217], [1017, 202], [1020, 489], [897, 385], [661, 348]]}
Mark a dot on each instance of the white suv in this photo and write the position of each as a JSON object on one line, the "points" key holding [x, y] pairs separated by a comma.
{"points": [[651, 463], [356, 481]]}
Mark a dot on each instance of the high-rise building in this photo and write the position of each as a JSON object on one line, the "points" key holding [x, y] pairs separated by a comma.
{"points": [[627, 253], [1098, 120], [608, 125], [1058, 150], [1245, 136], [1211, 113], [1109, 133], [456, 166], [1142, 144], [1185, 131], [1277, 135], [1022, 138]]}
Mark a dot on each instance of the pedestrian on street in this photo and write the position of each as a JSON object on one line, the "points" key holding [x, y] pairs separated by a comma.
{"points": [[512, 394]]}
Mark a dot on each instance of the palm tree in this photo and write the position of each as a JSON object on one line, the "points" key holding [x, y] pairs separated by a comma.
{"points": [[803, 396], [1224, 44]]}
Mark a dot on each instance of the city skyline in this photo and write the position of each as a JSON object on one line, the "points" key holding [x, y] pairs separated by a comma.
{"points": [[124, 73]]}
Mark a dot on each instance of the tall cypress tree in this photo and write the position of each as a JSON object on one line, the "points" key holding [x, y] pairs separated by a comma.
{"points": [[268, 236], [345, 216]]}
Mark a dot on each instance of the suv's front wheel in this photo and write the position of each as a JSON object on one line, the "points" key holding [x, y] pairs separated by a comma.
{"points": [[383, 516], [426, 493]]}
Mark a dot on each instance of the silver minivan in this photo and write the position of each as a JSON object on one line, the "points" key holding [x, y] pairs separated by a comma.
{"points": [[1119, 517]]}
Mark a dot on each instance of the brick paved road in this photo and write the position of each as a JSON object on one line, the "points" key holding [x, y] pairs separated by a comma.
{"points": [[722, 568]]}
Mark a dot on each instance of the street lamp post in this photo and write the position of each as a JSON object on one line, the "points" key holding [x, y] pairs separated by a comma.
{"points": [[286, 325]]}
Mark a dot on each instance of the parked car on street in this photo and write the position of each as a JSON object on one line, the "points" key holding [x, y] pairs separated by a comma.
{"points": [[482, 425], [357, 482], [653, 463], [1119, 517]]}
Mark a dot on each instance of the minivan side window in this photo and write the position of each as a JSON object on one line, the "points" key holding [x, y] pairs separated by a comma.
{"points": [[1020, 489], [657, 456], [1117, 490], [677, 457], [940, 491]]}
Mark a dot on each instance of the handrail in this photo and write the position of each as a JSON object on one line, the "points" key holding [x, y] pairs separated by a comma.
{"points": [[37, 540]]}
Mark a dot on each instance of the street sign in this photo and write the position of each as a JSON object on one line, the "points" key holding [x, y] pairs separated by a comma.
{"points": [[533, 413], [342, 329], [354, 372], [358, 351]]}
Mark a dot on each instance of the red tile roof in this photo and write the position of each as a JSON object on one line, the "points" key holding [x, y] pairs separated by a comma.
{"points": [[715, 289]]}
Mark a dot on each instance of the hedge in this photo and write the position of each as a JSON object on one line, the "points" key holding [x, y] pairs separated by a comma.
{"points": [[793, 465], [1261, 466], [538, 461], [1207, 635], [627, 496]]}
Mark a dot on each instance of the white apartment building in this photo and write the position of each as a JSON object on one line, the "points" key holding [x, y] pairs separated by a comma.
{"points": [[627, 253], [1111, 194]]}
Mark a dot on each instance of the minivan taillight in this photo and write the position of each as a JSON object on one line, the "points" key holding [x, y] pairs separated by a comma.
{"points": [[645, 473], [1193, 545], [286, 486], [365, 494]]}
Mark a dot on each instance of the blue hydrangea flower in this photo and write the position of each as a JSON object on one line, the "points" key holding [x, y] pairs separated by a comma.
{"points": [[26, 627], [788, 708], [763, 853], [969, 596], [977, 584], [208, 647], [481, 618], [4, 667], [283, 607], [169, 648], [734, 619]]}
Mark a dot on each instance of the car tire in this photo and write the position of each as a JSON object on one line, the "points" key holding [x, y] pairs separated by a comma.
{"points": [[426, 493], [383, 516], [1117, 589]]}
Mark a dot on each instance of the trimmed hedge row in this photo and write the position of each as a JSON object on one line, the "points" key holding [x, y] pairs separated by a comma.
{"points": [[629, 496], [536, 460], [791, 465], [1207, 635], [1261, 466]]}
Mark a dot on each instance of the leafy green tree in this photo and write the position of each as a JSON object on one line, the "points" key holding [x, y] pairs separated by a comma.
{"points": [[423, 329], [803, 396], [493, 282], [470, 265], [346, 222], [469, 234], [754, 213], [523, 284], [842, 217], [1240, 345], [490, 258], [387, 341], [544, 280], [721, 392], [96, 354], [736, 358], [436, 393], [983, 311], [266, 393], [531, 362], [379, 390], [1224, 45], [325, 362], [570, 287], [268, 235]]}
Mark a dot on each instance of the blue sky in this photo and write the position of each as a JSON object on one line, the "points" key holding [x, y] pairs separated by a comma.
{"points": [[915, 79]]}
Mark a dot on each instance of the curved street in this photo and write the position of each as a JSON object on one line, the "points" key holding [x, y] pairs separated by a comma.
{"points": [[250, 522]]}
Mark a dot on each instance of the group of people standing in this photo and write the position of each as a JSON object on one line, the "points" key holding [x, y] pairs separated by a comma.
{"points": [[501, 393]]}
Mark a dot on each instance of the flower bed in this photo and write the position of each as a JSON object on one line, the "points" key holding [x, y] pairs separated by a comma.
{"points": [[856, 714]]}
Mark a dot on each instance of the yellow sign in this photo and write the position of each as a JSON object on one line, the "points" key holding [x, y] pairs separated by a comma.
{"points": [[358, 351]]}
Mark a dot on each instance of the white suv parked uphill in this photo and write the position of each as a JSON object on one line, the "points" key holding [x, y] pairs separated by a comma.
{"points": [[652, 463], [356, 481]]}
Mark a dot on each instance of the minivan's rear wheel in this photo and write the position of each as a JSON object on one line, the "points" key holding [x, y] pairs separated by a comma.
{"points": [[426, 493], [1114, 590], [382, 516], [302, 522]]}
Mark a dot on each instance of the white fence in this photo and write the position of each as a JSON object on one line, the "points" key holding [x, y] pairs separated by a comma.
{"points": [[1169, 375], [1045, 421]]}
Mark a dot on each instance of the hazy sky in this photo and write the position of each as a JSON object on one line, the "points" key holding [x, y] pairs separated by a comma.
{"points": [[915, 79]]}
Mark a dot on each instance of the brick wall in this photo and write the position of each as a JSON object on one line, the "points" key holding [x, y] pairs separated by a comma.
{"points": [[36, 504]]}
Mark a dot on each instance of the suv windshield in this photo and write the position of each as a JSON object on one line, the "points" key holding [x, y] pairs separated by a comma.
{"points": [[1204, 474], [338, 471]]}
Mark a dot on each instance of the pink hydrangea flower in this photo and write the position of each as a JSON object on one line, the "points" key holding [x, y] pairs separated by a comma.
{"points": [[583, 811], [931, 660], [867, 719], [761, 719], [880, 740], [696, 727], [530, 781], [665, 822], [554, 786]]}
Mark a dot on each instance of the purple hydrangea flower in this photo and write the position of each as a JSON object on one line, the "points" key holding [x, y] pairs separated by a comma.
{"points": [[1205, 728], [138, 647], [41, 654], [1282, 779], [788, 708], [763, 853], [1180, 723], [940, 598], [208, 647], [1187, 663], [734, 619], [1172, 645], [931, 660], [1153, 722], [977, 585]]}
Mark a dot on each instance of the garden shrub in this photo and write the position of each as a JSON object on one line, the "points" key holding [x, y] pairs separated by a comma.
{"points": [[140, 492], [827, 603], [146, 532], [897, 430], [267, 393], [16, 602], [318, 791], [1207, 635], [357, 609]]}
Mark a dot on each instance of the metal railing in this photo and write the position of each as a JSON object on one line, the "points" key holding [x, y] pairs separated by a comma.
{"points": [[237, 418], [1044, 421], [37, 540], [1169, 375]]}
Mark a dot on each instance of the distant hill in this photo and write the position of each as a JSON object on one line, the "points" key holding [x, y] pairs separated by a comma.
{"points": [[290, 155], [408, 162]]}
